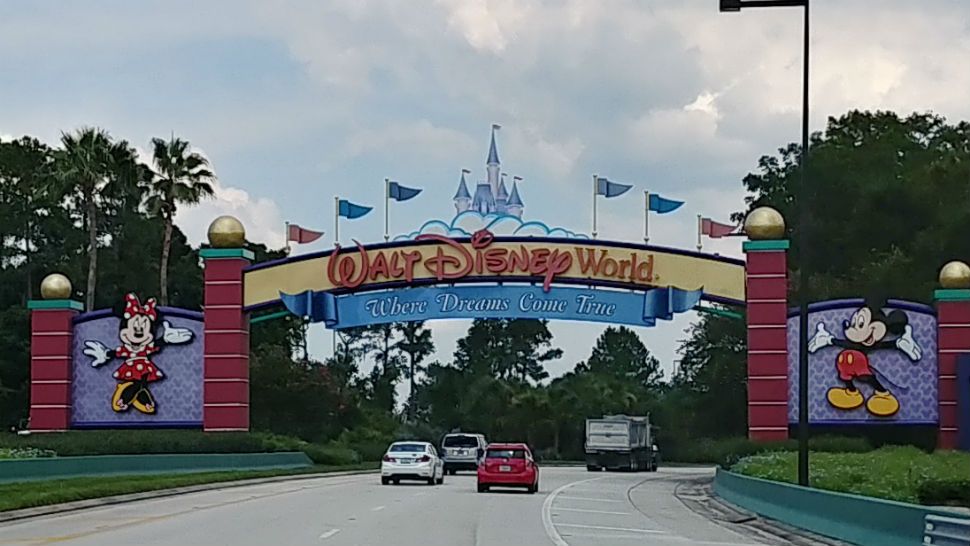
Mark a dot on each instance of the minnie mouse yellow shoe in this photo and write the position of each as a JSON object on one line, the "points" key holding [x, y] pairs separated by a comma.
{"points": [[882, 404], [845, 399]]}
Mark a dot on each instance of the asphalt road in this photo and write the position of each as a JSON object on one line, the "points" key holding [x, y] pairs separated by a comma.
{"points": [[573, 507]]}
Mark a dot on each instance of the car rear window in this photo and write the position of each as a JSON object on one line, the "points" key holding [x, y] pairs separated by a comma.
{"points": [[505, 454], [461, 441], [408, 448]]}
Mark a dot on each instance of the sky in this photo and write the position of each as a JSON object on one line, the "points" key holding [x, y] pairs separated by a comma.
{"points": [[295, 102]]}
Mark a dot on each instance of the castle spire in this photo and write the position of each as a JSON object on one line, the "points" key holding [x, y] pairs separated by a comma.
{"points": [[514, 204], [463, 199], [492, 150]]}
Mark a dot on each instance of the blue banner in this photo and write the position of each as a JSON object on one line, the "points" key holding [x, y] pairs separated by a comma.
{"points": [[610, 189], [351, 210], [662, 205], [398, 192], [508, 301]]}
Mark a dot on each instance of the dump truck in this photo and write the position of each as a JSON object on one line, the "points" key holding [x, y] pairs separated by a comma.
{"points": [[621, 442]]}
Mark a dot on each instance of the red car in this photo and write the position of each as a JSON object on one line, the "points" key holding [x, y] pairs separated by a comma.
{"points": [[508, 465]]}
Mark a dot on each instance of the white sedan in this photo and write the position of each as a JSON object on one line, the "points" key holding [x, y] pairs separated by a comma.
{"points": [[412, 461]]}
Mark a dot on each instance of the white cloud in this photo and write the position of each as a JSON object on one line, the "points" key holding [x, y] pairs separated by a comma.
{"points": [[259, 215]]}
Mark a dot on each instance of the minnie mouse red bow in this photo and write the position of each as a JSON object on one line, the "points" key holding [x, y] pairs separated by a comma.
{"points": [[134, 307]]}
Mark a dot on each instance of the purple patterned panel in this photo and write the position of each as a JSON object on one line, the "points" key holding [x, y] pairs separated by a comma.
{"points": [[913, 384], [178, 395]]}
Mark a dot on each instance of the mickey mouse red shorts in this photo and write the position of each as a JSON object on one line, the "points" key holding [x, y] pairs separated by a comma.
{"points": [[851, 364]]}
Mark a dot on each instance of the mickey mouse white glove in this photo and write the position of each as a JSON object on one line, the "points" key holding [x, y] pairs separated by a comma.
{"points": [[822, 338], [175, 335], [97, 351], [908, 345]]}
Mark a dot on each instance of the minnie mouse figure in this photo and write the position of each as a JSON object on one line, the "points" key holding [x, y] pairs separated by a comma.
{"points": [[138, 343]]}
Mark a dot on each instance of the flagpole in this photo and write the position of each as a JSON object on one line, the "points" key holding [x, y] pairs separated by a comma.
{"points": [[594, 205], [286, 235], [700, 223], [387, 200], [336, 220], [646, 217]]}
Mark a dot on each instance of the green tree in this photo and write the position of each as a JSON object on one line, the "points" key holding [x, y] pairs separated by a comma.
{"points": [[415, 341], [26, 197], [181, 177], [712, 379], [96, 171], [509, 349], [619, 353]]}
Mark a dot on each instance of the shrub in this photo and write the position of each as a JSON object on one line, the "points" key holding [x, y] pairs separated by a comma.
{"points": [[331, 454], [728, 451], [24, 453], [137, 442], [944, 492]]}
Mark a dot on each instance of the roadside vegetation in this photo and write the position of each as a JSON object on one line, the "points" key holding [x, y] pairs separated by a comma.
{"points": [[14, 496], [904, 474]]}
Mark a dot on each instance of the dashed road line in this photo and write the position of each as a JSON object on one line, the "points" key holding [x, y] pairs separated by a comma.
{"points": [[329, 534]]}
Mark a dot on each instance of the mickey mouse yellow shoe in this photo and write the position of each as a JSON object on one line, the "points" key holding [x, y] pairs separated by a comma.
{"points": [[882, 404], [844, 399]]}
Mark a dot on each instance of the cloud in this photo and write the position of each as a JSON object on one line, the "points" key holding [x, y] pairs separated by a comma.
{"points": [[468, 222], [259, 215]]}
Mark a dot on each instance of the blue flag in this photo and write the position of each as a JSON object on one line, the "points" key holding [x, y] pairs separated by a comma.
{"points": [[351, 210], [662, 205], [610, 189], [398, 192]]}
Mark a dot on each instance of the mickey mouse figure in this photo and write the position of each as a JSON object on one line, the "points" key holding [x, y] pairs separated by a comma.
{"points": [[138, 343], [866, 331]]}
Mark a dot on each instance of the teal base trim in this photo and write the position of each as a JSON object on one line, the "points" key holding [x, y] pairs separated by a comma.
{"points": [[764, 246], [23, 470], [952, 294], [270, 316], [55, 305], [853, 518], [210, 253]]}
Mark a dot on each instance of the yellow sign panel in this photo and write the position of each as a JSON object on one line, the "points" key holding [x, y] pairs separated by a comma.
{"points": [[482, 258]]}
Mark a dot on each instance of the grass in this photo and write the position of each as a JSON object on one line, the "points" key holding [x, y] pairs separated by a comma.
{"points": [[904, 474], [14, 496]]}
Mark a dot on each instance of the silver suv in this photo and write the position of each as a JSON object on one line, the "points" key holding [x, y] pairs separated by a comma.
{"points": [[462, 451]]}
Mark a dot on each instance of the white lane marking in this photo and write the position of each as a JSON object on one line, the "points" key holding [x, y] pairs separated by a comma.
{"points": [[377, 508], [590, 498], [607, 528], [592, 511], [551, 531], [329, 534]]}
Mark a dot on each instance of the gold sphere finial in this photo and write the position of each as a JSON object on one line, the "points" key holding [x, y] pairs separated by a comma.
{"points": [[55, 287], [227, 232], [764, 223], [955, 274]]}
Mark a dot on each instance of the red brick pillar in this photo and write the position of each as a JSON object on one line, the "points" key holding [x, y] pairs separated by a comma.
{"points": [[953, 340], [766, 288], [51, 338], [226, 375]]}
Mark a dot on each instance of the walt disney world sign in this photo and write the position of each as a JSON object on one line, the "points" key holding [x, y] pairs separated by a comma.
{"points": [[485, 276]]}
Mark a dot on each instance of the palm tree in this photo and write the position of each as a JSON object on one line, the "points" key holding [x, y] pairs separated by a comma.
{"points": [[417, 344], [181, 178], [92, 168]]}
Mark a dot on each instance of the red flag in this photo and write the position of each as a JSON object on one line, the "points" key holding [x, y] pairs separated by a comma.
{"points": [[302, 235], [716, 230]]}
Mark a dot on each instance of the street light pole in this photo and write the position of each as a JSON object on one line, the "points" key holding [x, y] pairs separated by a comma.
{"points": [[803, 240]]}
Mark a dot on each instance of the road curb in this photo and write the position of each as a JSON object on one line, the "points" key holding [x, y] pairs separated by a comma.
{"points": [[74, 506]]}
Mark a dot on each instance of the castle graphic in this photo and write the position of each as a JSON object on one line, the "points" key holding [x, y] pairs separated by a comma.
{"points": [[491, 196]]}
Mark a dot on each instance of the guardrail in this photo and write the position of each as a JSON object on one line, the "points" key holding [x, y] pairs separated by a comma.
{"points": [[944, 531], [853, 518], [21, 470]]}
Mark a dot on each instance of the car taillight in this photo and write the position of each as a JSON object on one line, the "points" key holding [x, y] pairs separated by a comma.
{"points": [[424, 459], [388, 459]]}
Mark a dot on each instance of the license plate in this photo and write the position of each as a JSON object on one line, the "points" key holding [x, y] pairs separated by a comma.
{"points": [[505, 468], [407, 461]]}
